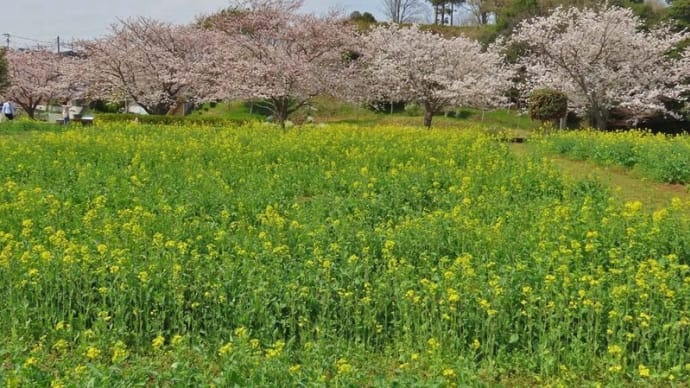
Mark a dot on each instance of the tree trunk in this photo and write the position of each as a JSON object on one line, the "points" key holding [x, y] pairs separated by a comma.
{"points": [[30, 110], [598, 117], [428, 116], [452, 11], [282, 118], [280, 109]]}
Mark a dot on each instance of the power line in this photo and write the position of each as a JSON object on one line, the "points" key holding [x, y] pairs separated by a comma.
{"points": [[59, 43], [30, 39]]}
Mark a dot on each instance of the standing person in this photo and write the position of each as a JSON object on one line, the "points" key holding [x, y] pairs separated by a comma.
{"points": [[65, 112], [8, 110]]}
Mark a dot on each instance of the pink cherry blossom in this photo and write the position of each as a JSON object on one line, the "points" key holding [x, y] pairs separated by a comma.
{"points": [[279, 57], [157, 65], [407, 64], [36, 77]]}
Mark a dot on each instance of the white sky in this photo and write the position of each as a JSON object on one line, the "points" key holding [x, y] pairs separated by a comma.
{"points": [[78, 19]]}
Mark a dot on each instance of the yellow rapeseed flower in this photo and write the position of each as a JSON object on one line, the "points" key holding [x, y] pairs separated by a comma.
{"points": [[120, 352], [176, 340], [615, 349], [92, 352], [57, 384], [343, 366], [276, 349], [61, 345], [433, 343], [225, 349], [79, 370], [31, 361], [643, 370], [143, 276], [158, 342], [453, 295]]}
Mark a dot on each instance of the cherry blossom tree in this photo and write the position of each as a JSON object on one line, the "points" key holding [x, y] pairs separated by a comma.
{"points": [[155, 64], [36, 77], [273, 54], [432, 71], [277, 6], [602, 59]]}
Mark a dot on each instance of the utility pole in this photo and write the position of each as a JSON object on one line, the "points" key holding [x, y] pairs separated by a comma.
{"points": [[58, 44], [7, 39]]}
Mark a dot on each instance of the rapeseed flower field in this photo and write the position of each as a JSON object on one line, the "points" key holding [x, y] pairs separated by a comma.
{"points": [[133, 254]]}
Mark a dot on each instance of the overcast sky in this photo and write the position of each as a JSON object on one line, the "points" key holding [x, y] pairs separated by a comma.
{"points": [[75, 19]]}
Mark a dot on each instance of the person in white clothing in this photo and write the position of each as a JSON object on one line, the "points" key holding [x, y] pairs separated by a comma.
{"points": [[65, 112], [8, 110]]}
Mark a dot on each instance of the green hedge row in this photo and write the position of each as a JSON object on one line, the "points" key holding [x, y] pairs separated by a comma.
{"points": [[164, 120], [25, 125]]}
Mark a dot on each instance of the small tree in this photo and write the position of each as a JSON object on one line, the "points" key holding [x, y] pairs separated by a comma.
{"points": [[547, 105], [365, 18]]}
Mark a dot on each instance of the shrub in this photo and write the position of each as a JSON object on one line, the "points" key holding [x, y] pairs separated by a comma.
{"points": [[107, 106], [547, 104], [413, 109]]}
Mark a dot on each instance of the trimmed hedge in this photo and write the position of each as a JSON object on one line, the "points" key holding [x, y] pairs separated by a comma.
{"points": [[547, 104], [25, 124]]}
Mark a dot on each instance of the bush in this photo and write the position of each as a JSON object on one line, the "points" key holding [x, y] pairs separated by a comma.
{"points": [[107, 106], [413, 109], [463, 114], [547, 104]]}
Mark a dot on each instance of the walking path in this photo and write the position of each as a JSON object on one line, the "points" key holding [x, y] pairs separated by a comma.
{"points": [[624, 183]]}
